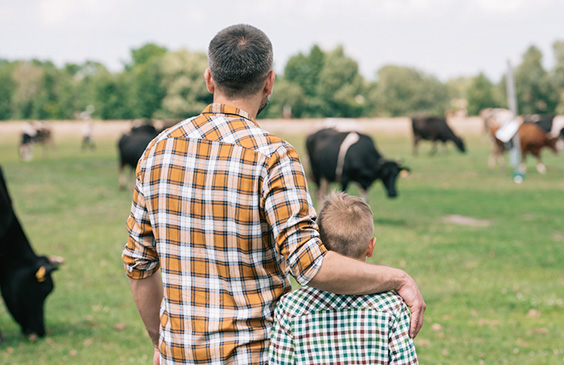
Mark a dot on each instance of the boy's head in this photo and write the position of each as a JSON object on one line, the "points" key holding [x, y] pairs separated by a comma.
{"points": [[346, 226]]}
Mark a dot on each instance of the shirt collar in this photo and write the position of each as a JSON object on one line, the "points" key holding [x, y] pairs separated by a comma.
{"points": [[226, 109]]}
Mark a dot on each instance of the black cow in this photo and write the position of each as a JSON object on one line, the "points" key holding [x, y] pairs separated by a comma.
{"points": [[346, 157], [131, 146], [25, 278], [434, 129]]}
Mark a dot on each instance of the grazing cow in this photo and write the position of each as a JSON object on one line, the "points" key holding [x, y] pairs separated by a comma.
{"points": [[345, 157], [433, 129], [532, 139], [38, 132], [25, 278], [131, 146]]}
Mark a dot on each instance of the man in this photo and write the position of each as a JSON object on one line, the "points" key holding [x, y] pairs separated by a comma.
{"points": [[221, 207]]}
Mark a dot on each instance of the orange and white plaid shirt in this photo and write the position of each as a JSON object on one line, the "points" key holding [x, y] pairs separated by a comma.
{"points": [[222, 208]]}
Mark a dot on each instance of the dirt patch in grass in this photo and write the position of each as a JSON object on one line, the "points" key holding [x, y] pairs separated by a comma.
{"points": [[466, 221]]}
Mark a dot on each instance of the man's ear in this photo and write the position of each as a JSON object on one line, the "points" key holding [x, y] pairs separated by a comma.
{"points": [[269, 84], [209, 80], [370, 248]]}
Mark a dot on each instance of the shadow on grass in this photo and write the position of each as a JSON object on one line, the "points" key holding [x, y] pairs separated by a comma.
{"points": [[390, 222]]}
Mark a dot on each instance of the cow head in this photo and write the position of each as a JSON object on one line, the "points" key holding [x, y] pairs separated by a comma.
{"points": [[459, 144], [26, 292], [389, 172]]}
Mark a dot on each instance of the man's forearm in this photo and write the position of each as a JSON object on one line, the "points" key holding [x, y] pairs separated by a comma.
{"points": [[343, 275], [148, 295]]}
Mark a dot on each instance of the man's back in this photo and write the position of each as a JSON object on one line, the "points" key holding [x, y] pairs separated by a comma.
{"points": [[213, 193], [317, 327]]}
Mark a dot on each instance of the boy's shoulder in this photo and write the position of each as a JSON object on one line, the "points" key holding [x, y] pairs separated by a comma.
{"points": [[307, 299]]}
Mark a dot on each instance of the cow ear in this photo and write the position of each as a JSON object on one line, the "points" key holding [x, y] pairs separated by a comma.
{"points": [[41, 274], [404, 171]]}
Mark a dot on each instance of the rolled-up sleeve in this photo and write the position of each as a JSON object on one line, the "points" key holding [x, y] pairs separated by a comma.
{"points": [[290, 213], [140, 256]]}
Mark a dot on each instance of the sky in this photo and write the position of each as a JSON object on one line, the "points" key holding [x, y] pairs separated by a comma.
{"points": [[445, 38]]}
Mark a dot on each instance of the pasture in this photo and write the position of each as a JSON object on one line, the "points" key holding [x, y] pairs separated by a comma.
{"points": [[487, 253]]}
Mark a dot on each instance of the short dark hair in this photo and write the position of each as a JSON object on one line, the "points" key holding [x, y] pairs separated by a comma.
{"points": [[240, 58], [346, 224]]}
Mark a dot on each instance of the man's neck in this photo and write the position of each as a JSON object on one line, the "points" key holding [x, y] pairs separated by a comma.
{"points": [[250, 104]]}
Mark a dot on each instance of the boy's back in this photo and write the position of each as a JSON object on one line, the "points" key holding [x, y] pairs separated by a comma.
{"points": [[317, 327]]}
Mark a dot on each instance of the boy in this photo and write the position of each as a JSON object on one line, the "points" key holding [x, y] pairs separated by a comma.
{"points": [[316, 327]]}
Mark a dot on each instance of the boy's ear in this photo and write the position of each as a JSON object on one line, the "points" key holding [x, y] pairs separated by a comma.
{"points": [[370, 248]]}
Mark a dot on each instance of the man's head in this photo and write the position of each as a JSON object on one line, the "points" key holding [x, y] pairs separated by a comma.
{"points": [[240, 60], [346, 226]]}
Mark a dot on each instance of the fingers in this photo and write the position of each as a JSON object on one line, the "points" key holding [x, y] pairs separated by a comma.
{"points": [[417, 314], [156, 357]]}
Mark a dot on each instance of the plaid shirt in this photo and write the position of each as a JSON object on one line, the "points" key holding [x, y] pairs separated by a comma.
{"points": [[316, 327], [222, 208]]}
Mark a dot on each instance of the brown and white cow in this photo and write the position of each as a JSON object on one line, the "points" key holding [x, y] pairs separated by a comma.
{"points": [[532, 139]]}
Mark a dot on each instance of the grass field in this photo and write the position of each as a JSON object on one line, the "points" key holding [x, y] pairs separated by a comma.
{"points": [[494, 285]]}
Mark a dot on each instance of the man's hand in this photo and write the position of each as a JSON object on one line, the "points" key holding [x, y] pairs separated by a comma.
{"points": [[156, 356], [414, 300]]}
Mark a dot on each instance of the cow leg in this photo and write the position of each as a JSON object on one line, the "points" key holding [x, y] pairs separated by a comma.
{"points": [[121, 178], [433, 148], [322, 191], [496, 158], [416, 140], [541, 168]]}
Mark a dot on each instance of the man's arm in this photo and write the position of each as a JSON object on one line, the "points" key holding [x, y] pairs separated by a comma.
{"points": [[342, 275], [148, 295]]}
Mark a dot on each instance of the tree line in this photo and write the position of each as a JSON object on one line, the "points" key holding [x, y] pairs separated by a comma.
{"points": [[161, 84]]}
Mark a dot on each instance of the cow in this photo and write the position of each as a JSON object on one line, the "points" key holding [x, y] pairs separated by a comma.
{"points": [[434, 129], [345, 157], [38, 132], [131, 146], [551, 124], [532, 138], [25, 278]]}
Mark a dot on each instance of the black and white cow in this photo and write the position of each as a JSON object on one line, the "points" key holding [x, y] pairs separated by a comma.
{"points": [[434, 129], [25, 278], [346, 157]]}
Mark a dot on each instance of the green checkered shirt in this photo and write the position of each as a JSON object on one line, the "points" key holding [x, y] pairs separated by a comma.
{"points": [[316, 327]]}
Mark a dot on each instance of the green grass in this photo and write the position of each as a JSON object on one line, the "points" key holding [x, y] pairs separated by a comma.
{"points": [[495, 294]]}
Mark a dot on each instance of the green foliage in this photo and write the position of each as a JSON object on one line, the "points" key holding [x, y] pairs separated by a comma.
{"points": [[183, 79], [481, 95], [163, 84], [7, 88], [148, 89], [405, 91], [536, 92]]}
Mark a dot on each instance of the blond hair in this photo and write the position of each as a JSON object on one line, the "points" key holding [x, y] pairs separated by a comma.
{"points": [[346, 224]]}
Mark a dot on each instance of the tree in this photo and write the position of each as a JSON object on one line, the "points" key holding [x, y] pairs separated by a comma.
{"points": [[402, 91], [287, 97], [558, 74], [304, 70], [186, 92], [481, 95], [535, 90], [7, 89], [146, 75], [340, 86]]}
